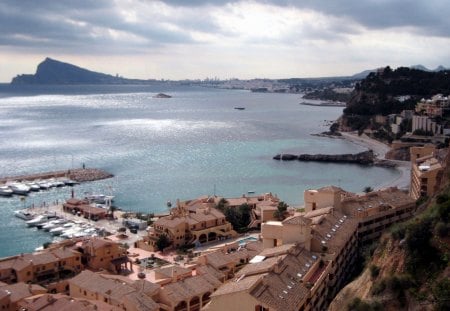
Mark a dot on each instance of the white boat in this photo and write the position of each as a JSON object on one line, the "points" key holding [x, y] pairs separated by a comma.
{"points": [[23, 215], [5, 191], [37, 220], [71, 232], [19, 188], [53, 224], [100, 198], [61, 229], [43, 184], [33, 186], [69, 182]]}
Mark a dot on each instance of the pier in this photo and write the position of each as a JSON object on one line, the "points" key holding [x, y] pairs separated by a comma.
{"points": [[78, 175]]}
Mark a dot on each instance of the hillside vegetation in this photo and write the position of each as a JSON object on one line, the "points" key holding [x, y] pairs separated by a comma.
{"points": [[379, 93]]}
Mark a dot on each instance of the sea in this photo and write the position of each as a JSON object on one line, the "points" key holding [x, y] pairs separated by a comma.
{"points": [[163, 149]]}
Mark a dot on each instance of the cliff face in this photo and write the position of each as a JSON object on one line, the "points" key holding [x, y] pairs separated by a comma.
{"points": [[51, 71], [365, 157]]}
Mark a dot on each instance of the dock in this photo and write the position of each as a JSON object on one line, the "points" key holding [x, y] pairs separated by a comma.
{"points": [[78, 175]]}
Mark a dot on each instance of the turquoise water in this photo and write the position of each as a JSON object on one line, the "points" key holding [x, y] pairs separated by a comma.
{"points": [[163, 149]]}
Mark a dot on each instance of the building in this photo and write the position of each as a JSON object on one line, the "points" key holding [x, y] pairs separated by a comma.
{"points": [[227, 260], [374, 211], [195, 223], [426, 172], [85, 209], [42, 267], [425, 124], [12, 294], [130, 296], [104, 254], [377, 210], [286, 277], [59, 302]]}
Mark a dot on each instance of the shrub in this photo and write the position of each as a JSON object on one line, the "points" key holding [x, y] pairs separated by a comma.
{"points": [[441, 229], [378, 287]]}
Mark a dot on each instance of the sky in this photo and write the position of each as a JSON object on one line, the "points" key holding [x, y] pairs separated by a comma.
{"points": [[198, 39]]}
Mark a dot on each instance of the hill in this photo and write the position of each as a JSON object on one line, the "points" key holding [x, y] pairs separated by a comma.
{"points": [[52, 71], [379, 92]]}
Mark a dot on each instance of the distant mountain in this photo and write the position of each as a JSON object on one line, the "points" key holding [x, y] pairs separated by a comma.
{"points": [[51, 71], [363, 74], [423, 68]]}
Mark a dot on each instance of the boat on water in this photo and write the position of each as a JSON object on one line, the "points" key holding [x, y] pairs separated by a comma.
{"points": [[100, 198], [40, 219], [69, 182], [22, 214], [19, 188], [239, 108], [44, 185], [61, 229], [5, 191], [53, 224], [33, 186]]}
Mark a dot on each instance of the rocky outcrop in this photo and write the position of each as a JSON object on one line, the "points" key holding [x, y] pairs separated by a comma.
{"points": [[365, 157]]}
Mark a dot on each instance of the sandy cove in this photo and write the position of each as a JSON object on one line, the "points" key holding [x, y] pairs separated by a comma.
{"points": [[380, 149]]}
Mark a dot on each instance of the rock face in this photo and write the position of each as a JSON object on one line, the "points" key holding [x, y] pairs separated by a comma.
{"points": [[365, 157]]}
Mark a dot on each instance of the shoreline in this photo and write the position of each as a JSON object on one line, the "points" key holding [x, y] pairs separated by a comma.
{"points": [[380, 149]]}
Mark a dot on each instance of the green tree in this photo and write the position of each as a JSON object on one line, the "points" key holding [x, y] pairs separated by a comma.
{"points": [[368, 189], [281, 210], [162, 242]]}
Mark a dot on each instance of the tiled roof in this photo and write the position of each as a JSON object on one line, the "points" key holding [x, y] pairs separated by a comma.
{"points": [[190, 287], [21, 290], [238, 285], [141, 302], [146, 287], [207, 269], [172, 271], [260, 267], [297, 220], [96, 283]]}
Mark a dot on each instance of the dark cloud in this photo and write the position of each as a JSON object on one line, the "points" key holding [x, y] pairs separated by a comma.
{"points": [[88, 26], [429, 17]]}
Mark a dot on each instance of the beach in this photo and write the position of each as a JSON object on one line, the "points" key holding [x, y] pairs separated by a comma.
{"points": [[380, 149]]}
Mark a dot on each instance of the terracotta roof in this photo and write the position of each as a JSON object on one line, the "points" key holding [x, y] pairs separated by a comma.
{"points": [[207, 269], [96, 283], [141, 302], [172, 271], [260, 267], [20, 291], [238, 285], [146, 287], [297, 220], [59, 302], [190, 287]]}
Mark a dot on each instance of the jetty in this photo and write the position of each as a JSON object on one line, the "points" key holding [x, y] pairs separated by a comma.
{"points": [[365, 157], [78, 175]]}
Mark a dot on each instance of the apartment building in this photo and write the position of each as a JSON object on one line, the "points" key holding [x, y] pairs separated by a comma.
{"points": [[12, 294], [427, 169], [41, 268]]}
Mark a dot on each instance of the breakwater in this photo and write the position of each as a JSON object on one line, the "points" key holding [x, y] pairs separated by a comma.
{"points": [[79, 175], [365, 157]]}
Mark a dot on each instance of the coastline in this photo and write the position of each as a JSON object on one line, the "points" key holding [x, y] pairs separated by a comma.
{"points": [[380, 149]]}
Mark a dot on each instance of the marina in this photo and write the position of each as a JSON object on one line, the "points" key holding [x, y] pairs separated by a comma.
{"points": [[24, 184]]}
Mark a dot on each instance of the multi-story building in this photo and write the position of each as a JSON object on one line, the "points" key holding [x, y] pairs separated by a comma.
{"points": [[426, 124], [374, 211], [41, 268], [101, 253], [426, 171], [195, 223]]}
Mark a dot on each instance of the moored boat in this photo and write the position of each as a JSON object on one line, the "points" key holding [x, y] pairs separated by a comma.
{"points": [[5, 191], [19, 188], [22, 214]]}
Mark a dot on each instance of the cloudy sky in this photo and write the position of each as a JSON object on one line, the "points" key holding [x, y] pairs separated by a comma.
{"points": [[179, 39]]}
